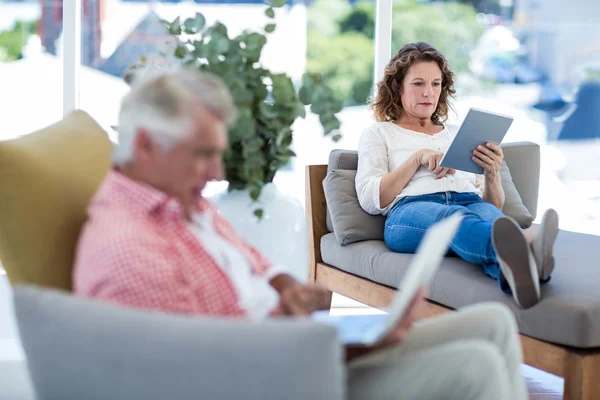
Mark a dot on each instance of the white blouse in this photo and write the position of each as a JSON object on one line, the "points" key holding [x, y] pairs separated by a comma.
{"points": [[384, 146]]}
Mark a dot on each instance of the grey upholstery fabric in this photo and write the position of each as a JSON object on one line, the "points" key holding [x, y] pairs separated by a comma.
{"points": [[523, 159], [350, 222], [568, 314], [520, 188], [81, 349], [345, 160]]}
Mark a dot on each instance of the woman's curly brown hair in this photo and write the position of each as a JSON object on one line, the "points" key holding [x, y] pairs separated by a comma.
{"points": [[387, 105]]}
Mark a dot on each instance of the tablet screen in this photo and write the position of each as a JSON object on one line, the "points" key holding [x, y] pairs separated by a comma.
{"points": [[478, 128]]}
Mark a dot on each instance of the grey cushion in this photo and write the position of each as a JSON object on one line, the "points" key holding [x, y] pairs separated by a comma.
{"points": [[341, 159], [568, 314], [349, 221], [353, 224], [80, 349], [523, 158]]}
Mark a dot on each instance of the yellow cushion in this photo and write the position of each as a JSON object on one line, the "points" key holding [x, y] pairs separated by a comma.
{"points": [[47, 179]]}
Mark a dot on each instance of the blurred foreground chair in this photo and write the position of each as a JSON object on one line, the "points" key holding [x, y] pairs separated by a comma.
{"points": [[82, 349]]}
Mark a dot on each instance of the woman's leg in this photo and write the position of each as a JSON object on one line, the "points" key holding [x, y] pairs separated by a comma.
{"points": [[406, 225], [490, 213], [486, 211], [515, 268], [540, 239]]}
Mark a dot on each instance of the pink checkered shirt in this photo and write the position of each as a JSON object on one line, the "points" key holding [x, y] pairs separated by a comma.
{"points": [[136, 250]]}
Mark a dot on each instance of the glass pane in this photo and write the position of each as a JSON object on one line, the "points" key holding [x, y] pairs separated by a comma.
{"points": [[117, 34], [508, 60], [340, 46], [30, 66], [101, 84]]}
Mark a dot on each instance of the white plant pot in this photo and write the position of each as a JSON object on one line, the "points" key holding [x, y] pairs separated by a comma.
{"points": [[280, 235]]}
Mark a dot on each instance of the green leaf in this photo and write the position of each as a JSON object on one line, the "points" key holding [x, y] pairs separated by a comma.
{"points": [[305, 95], [283, 88], [255, 193], [308, 81], [218, 29], [189, 26], [200, 21], [194, 25], [175, 27], [330, 123], [268, 103], [199, 49], [301, 110], [336, 137], [253, 44], [337, 105], [181, 51], [258, 213], [219, 45]]}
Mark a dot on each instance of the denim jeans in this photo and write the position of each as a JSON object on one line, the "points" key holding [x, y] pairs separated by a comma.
{"points": [[410, 217]]}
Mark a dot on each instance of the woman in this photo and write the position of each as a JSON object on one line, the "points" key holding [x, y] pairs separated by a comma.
{"points": [[399, 175]]}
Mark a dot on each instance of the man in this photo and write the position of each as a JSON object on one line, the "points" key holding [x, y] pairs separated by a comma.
{"points": [[152, 242]]}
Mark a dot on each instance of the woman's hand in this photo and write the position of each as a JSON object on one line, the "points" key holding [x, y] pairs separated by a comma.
{"points": [[431, 159], [489, 157]]}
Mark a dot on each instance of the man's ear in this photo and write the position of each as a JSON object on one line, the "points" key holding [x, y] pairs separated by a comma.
{"points": [[143, 145]]}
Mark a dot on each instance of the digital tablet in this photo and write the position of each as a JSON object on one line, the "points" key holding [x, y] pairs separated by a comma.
{"points": [[479, 127], [367, 330]]}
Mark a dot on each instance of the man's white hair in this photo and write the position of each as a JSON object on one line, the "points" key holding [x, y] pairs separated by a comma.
{"points": [[161, 102]]}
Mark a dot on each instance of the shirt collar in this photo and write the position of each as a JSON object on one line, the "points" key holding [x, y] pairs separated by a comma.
{"points": [[144, 197]]}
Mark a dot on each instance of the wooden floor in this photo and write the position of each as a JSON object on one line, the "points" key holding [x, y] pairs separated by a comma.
{"points": [[541, 385]]}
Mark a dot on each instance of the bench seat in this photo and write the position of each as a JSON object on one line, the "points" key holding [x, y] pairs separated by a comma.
{"points": [[568, 313]]}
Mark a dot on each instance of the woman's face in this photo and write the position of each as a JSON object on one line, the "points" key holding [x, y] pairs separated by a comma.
{"points": [[421, 89]]}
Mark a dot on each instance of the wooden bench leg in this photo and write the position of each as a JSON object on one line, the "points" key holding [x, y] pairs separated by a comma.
{"points": [[582, 376]]}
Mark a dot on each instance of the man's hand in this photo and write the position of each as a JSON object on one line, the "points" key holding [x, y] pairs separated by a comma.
{"points": [[400, 332], [299, 299], [414, 311], [296, 298], [431, 159], [489, 157]]}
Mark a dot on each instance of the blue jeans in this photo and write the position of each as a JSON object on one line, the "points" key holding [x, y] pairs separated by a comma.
{"points": [[410, 217]]}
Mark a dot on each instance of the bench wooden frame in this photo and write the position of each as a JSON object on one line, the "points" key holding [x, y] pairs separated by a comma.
{"points": [[580, 368]]}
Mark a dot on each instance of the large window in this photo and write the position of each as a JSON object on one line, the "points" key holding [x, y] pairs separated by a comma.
{"points": [[507, 57], [30, 68]]}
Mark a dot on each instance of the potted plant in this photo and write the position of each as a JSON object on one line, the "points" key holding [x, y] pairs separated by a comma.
{"points": [[260, 143]]}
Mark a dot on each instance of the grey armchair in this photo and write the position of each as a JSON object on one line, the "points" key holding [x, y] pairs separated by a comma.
{"points": [[81, 349]]}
